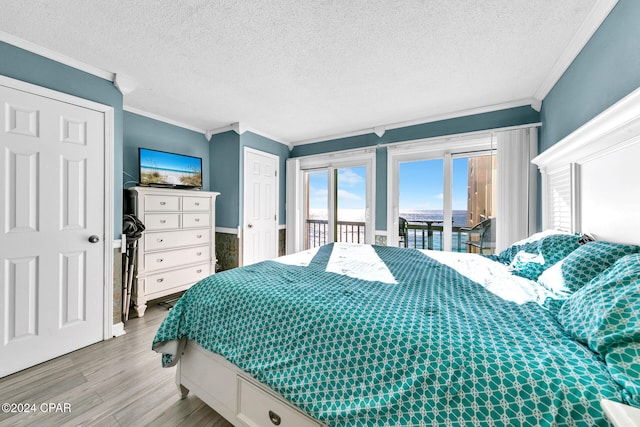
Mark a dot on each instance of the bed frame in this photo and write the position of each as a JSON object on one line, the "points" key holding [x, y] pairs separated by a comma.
{"points": [[599, 162]]}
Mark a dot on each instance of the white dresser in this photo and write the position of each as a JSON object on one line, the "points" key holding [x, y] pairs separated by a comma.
{"points": [[177, 248]]}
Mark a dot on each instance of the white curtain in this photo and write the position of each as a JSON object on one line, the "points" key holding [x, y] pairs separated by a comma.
{"points": [[516, 186], [293, 195]]}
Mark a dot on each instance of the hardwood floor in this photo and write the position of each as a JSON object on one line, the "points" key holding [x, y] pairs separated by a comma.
{"points": [[112, 383]]}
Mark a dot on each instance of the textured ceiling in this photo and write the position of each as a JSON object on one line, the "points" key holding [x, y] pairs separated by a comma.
{"points": [[304, 70]]}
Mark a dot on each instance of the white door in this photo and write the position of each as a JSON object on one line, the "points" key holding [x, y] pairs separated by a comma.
{"points": [[260, 238], [51, 210]]}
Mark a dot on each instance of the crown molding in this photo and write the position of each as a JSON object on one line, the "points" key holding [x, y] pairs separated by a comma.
{"points": [[162, 119], [590, 25], [241, 128], [124, 83], [617, 125], [55, 56], [380, 130]]}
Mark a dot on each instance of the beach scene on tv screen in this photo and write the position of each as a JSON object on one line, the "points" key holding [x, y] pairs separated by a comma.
{"points": [[169, 169]]}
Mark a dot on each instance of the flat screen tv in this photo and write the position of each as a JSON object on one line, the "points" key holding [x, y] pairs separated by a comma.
{"points": [[161, 169]]}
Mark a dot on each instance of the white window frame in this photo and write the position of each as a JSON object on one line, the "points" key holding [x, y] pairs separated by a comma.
{"points": [[296, 167], [446, 148]]}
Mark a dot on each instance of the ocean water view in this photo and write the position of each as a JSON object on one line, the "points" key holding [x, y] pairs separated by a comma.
{"points": [[459, 216]]}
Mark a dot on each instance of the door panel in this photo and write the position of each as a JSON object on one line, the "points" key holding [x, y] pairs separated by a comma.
{"points": [[260, 236], [52, 277]]}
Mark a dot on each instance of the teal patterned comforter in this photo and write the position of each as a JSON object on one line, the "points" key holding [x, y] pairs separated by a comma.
{"points": [[433, 349]]}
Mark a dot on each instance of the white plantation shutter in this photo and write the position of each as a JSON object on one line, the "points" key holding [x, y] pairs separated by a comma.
{"points": [[558, 200]]}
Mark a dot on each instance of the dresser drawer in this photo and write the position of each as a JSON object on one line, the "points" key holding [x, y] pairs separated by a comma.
{"points": [[256, 407], [195, 220], [161, 203], [195, 203], [171, 279], [161, 221], [176, 258], [174, 239]]}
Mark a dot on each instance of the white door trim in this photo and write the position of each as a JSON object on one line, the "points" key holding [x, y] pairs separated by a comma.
{"points": [[108, 182], [244, 192]]}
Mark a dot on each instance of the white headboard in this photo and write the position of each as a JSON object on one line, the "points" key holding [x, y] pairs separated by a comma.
{"points": [[590, 178]]}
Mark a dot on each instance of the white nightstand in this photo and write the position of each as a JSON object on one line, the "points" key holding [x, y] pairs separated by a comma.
{"points": [[621, 415]]}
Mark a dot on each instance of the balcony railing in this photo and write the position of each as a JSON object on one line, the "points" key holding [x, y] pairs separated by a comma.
{"points": [[426, 235], [347, 231]]}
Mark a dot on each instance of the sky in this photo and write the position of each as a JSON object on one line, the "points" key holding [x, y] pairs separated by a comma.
{"points": [[169, 161], [351, 188], [421, 186]]}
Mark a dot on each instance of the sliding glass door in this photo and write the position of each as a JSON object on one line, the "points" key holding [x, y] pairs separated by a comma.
{"points": [[335, 205], [443, 200]]}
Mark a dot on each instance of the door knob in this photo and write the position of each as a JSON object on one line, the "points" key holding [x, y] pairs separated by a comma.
{"points": [[94, 239]]}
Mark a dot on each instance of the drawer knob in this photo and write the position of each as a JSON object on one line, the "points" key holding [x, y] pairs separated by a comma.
{"points": [[275, 418], [199, 271], [197, 203], [163, 203], [199, 236], [160, 280], [197, 219], [160, 259], [198, 253], [160, 240], [162, 221]]}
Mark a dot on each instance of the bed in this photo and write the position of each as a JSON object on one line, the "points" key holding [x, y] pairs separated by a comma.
{"points": [[361, 335]]}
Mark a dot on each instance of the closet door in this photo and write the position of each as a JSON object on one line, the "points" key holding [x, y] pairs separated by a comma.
{"points": [[51, 228]]}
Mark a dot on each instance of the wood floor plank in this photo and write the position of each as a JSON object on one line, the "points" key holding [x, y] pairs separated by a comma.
{"points": [[119, 382]]}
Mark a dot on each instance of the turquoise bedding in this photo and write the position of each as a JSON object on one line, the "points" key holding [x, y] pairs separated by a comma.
{"points": [[433, 349]]}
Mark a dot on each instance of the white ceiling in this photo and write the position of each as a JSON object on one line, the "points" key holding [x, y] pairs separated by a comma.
{"points": [[306, 70]]}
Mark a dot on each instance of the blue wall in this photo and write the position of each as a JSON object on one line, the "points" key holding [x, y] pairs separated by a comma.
{"points": [[477, 122], [224, 161], [607, 69], [227, 165], [29, 67], [141, 131]]}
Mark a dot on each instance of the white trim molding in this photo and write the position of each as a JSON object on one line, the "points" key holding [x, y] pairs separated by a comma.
{"points": [[598, 134], [118, 329], [241, 128], [595, 18], [125, 84], [162, 119], [228, 230], [380, 130], [55, 56]]}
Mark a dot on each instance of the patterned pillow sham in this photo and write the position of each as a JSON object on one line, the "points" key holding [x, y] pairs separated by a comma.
{"points": [[582, 265], [529, 245], [604, 315], [551, 249]]}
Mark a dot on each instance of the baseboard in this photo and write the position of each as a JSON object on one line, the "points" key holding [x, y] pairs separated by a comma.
{"points": [[118, 329]]}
